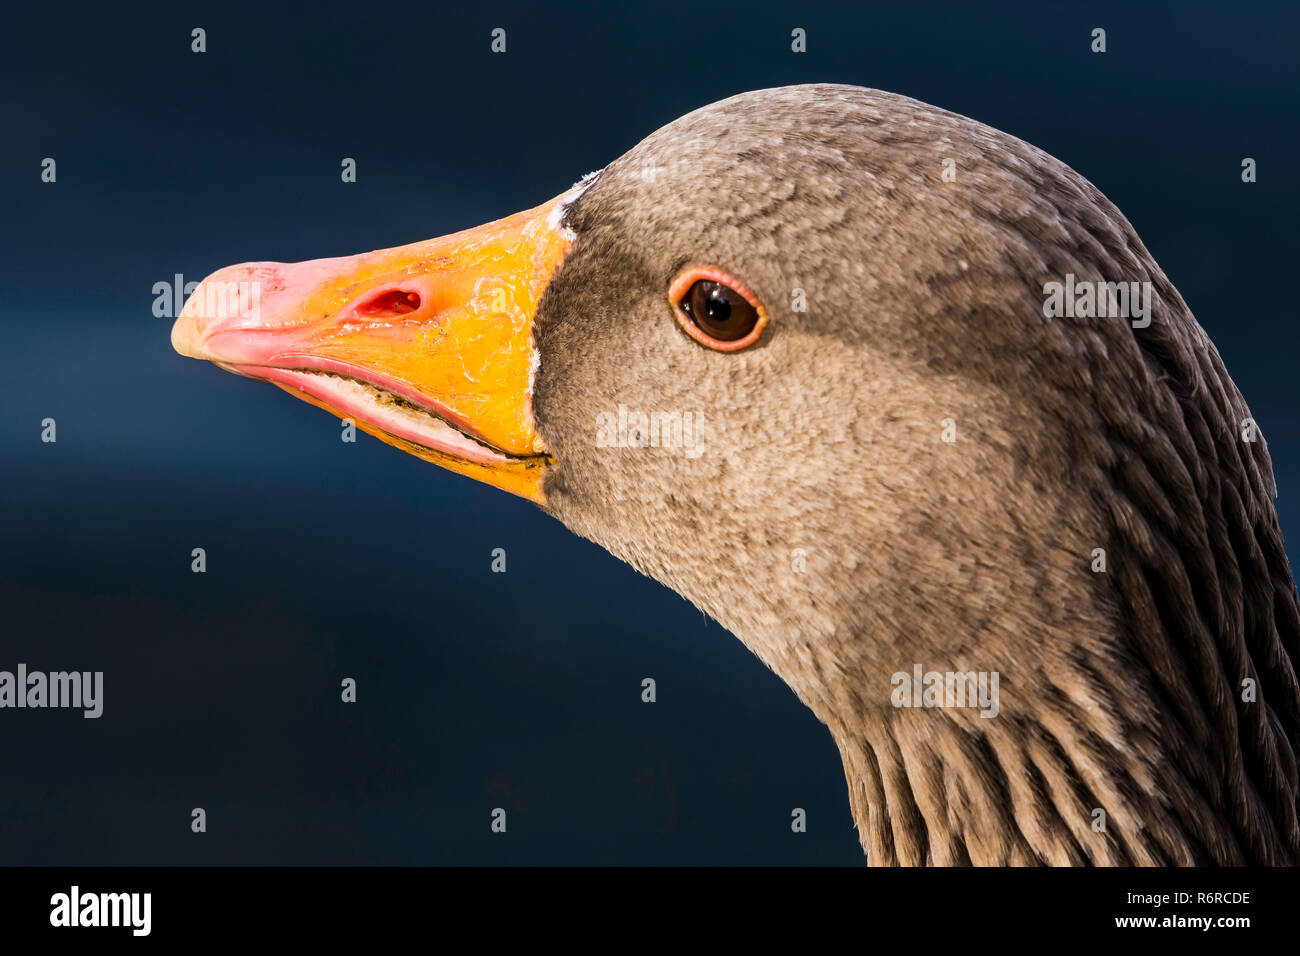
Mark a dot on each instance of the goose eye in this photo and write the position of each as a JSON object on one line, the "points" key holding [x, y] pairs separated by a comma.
{"points": [[716, 310]]}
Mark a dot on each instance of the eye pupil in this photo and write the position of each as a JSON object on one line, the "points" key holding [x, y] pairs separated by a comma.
{"points": [[719, 308]]}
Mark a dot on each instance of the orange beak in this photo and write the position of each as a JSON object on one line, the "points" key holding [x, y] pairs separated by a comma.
{"points": [[428, 347]]}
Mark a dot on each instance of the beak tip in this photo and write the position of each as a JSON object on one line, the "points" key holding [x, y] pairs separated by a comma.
{"points": [[185, 337]]}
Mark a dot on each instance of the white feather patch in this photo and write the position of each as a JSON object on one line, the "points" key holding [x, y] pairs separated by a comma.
{"points": [[557, 214]]}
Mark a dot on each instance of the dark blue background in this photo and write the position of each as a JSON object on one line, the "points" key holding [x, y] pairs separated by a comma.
{"points": [[328, 560]]}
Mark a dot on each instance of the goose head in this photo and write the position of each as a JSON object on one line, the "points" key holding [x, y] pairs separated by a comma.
{"points": [[792, 356]]}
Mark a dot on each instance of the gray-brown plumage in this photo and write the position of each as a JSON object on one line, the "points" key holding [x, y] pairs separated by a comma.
{"points": [[1120, 691], [1149, 711]]}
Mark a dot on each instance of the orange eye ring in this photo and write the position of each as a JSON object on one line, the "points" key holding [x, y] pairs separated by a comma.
{"points": [[679, 291]]}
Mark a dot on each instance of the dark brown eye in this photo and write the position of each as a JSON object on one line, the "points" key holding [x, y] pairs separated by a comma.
{"points": [[716, 310]]}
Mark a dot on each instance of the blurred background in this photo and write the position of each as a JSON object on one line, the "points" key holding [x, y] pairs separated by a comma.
{"points": [[327, 560]]}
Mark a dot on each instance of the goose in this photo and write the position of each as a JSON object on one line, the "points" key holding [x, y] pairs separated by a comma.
{"points": [[839, 368]]}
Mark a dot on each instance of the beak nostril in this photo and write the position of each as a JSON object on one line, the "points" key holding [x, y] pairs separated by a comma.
{"points": [[389, 303]]}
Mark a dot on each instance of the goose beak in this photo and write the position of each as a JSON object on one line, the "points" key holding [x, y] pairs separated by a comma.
{"points": [[428, 346]]}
